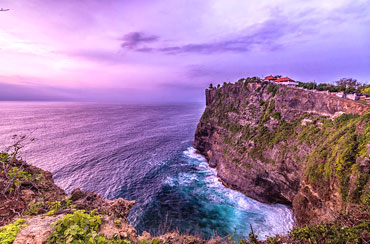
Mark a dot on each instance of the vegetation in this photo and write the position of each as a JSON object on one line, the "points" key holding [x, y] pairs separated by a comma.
{"points": [[80, 227], [272, 89], [53, 207], [13, 174], [334, 233], [365, 90], [346, 85], [9, 232], [117, 223], [335, 156]]}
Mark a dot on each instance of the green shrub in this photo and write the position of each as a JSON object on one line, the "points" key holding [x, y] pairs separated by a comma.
{"points": [[34, 207], [77, 227], [4, 157], [366, 197], [331, 233], [17, 176], [81, 227], [117, 223], [9, 232]]}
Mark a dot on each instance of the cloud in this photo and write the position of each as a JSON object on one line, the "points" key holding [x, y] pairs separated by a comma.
{"points": [[12, 92], [134, 40], [265, 35], [97, 55]]}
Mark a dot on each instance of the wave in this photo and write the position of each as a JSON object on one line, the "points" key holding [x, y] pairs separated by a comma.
{"points": [[235, 212]]}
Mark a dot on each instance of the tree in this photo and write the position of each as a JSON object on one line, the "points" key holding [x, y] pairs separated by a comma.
{"points": [[348, 85], [19, 142]]}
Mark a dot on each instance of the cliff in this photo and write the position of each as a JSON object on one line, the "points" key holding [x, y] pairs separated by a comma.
{"points": [[279, 144]]}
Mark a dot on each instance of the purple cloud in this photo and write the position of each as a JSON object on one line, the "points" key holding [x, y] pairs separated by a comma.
{"points": [[265, 35], [134, 39]]}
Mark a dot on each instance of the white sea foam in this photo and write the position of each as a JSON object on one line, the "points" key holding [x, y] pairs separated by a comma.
{"points": [[191, 153], [266, 219]]}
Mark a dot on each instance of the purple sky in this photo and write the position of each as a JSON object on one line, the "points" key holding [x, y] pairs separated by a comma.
{"points": [[149, 50]]}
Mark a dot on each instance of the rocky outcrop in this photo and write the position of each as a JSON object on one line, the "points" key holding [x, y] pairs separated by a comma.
{"points": [[265, 140], [34, 185], [37, 231]]}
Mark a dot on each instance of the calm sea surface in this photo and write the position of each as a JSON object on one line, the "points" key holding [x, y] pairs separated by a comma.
{"points": [[140, 152]]}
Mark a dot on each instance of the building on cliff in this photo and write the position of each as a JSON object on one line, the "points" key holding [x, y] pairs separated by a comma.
{"points": [[270, 78], [286, 81], [281, 81]]}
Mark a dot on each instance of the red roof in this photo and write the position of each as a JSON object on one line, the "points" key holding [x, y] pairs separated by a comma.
{"points": [[284, 79], [270, 77]]}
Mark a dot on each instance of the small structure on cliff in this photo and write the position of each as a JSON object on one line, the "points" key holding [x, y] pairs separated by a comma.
{"points": [[281, 81], [270, 78], [286, 81], [353, 96]]}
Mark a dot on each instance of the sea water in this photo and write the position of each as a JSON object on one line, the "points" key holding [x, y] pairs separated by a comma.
{"points": [[140, 152]]}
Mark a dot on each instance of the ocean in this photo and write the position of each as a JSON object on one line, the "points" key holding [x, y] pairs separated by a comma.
{"points": [[140, 152]]}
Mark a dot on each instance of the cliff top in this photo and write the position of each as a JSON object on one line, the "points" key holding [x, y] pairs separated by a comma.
{"points": [[306, 100]]}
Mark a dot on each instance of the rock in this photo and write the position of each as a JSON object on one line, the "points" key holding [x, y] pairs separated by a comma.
{"points": [[77, 194], [43, 189], [91, 200], [176, 238], [110, 229], [27, 195], [145, 235], [121, 207], [365, 165], [212, 162], [37, 231]]}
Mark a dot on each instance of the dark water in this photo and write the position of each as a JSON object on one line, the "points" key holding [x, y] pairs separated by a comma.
{"points": [[143, 153]]}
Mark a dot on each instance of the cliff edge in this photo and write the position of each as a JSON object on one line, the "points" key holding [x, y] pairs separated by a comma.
{"points": [[280, 144]]}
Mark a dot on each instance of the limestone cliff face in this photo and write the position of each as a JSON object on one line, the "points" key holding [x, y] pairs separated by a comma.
{"points": [[267, 141]]}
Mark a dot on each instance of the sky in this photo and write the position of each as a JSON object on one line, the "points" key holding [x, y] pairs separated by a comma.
{"points": [[170, 50]]}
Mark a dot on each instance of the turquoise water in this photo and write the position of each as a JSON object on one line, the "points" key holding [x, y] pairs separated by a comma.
{"points": [[228, 210]]}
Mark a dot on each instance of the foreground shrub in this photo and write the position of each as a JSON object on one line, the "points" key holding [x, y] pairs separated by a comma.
{"points": [[9, 232], [332, 233]]}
